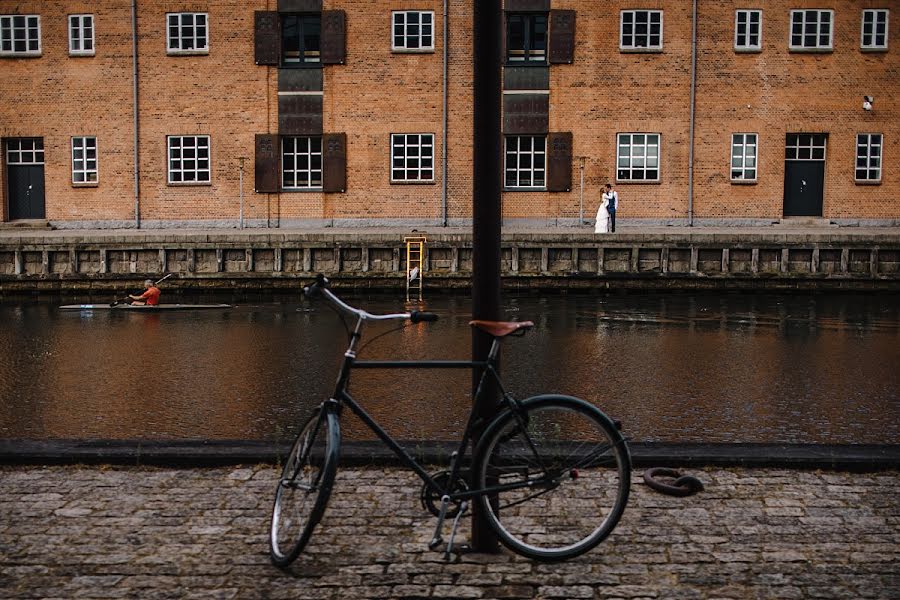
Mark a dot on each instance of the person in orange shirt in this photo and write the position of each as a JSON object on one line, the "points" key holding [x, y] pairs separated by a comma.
{"points": [[150, 297]]}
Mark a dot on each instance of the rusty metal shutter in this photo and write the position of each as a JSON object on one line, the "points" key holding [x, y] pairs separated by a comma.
{"points": [[334, 149], [527, 5], [333, 40], [562, 36], [559, 162], [267, 164], [266, 37], [526, 113], [299, 114]]}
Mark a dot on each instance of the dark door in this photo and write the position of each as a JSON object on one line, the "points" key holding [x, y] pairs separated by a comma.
{"points": [[25, 178], [804, 183]]}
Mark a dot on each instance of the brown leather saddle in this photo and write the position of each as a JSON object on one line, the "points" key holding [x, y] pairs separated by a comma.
{"points": [[502, 328]]}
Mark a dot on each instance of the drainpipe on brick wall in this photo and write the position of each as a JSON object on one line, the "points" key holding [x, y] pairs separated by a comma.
{"points": [[134, 76], [444, 134], [693, 105]]}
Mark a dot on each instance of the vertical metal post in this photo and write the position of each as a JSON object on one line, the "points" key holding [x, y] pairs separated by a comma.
{"points": [[486, 217], [581, 192], [241, 219]]}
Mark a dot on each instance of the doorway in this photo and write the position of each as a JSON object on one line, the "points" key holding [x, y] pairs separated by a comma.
{"points": [[804, 174], [25, 178]]}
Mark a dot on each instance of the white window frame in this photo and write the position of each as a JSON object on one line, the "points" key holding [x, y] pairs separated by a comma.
{"points": [[403, 17], [646, 155], [536, 155], [8, 31], [413, 150], [818, 24], [31, 154], [201, 170], [742, 158], [868, 157], [873, 47], [78, 24], [83, 165], [194, 38], [633, 47], [311, 171], [744, 45]]}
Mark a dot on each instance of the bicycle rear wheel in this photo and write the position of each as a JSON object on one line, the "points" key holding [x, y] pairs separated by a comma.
{"points": [[562, 475], [304, 487]]}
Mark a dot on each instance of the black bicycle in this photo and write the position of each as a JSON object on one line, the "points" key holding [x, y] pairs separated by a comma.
{"points": [[552, 473]]}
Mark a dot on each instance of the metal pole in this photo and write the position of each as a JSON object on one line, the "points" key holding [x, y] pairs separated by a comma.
{"points": [[693, 109], [581, 192], [444, 154], [137, 155], [241, 220], [486, 216]]}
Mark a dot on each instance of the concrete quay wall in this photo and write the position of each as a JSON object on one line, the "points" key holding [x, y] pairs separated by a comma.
{"points": [[665, 258]]}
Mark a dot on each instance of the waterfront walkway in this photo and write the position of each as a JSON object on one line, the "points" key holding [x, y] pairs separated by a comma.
{"points": [[145, 532]]}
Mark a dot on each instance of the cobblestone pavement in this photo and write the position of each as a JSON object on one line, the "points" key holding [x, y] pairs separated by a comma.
{"points": [[119, 532]]}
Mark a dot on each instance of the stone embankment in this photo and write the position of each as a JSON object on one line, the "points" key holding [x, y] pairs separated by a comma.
{"points": [[567, 258], [144, 532]]}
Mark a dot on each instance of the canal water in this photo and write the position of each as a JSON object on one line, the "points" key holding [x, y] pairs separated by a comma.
{"points": [[673, 368]]}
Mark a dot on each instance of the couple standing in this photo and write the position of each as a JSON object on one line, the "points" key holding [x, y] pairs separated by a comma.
{"points": [[606, 214]]}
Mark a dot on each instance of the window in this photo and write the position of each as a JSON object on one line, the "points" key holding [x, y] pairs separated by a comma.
{"points": [[874, 29], [868, 157], [300, 39], [637, 157], [25, 151], [187, 33], [743, 157], [301, 163], [526, 38], [20, 35], [641, 30], [412, 157], [189, 159], [526, 161], [748, 30], [84, 160], [81, 35], [805, 146], [413, 31], [811, 29]]}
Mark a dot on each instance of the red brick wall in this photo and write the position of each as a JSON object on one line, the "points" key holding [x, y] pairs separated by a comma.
{"points": [[377, 92]]}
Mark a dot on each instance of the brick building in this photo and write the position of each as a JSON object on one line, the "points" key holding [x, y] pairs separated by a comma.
{"points": [[339, 112]]}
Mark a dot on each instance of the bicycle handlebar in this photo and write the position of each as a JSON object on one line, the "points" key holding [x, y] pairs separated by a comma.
{"points": [[320, 287]]}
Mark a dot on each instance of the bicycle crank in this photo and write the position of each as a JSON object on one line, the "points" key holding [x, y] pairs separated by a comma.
{"points": [[431, 497]]}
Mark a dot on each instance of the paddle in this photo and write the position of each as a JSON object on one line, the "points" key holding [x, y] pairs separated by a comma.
{"points": [[126, 299]]}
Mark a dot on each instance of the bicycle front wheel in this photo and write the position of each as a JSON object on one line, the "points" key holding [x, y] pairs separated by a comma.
{"points": [[304, 487], [558, 475]]}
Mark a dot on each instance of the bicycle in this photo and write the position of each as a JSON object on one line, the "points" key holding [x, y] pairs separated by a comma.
{"points": [[551, 473]]}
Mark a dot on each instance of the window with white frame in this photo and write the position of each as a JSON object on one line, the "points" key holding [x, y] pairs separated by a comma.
{"points": [[526, 161], [874, 29], [84, 160], [811, 29], [743, 157], [412, 157], [641, 30], [868, 157], [187, 33], [189, 159], [413, 31], [301, 163], [748, 30], [637, 157], [20, 35], [81, 35]]}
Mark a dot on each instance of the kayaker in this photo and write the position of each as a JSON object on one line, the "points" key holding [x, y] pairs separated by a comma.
{"points": [[150, 297]]}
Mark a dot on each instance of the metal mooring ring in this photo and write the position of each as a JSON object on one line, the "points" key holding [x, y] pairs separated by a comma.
{"points": [[684, 485]]}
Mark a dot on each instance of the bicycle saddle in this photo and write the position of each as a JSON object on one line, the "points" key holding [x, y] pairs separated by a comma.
{"points": [[502, 328]]}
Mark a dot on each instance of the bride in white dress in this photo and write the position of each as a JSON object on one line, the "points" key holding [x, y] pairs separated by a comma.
{"points": [[602, 225]]}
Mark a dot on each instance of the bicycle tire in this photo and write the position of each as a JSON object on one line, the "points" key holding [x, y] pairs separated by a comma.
{"points": [[580, 477], [296, 511]]}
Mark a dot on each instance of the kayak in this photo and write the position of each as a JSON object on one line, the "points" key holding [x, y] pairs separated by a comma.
{"points": [[146, 308]]}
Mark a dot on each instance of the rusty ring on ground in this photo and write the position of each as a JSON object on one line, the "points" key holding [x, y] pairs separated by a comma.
{"points": [[684, 485]]}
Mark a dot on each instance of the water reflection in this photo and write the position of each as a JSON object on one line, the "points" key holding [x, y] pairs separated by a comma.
{"points": [[701, 368]]}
